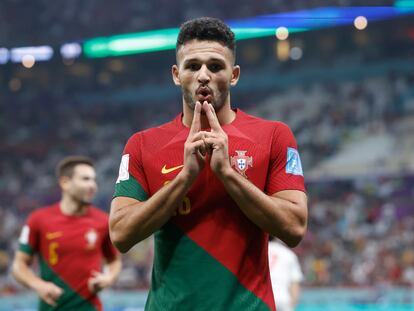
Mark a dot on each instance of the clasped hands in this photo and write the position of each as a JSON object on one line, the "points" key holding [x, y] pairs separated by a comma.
{"points": [[203, 147]]}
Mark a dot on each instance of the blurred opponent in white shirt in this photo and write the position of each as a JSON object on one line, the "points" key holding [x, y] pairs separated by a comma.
{"points": [[286, 275]]}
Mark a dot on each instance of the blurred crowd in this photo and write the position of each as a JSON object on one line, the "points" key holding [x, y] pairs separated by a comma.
{"points": [[325, 116], [360, 233]]}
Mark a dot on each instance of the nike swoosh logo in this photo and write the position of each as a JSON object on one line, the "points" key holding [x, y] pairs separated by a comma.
{"points": [[166, 170], [53, 235]]}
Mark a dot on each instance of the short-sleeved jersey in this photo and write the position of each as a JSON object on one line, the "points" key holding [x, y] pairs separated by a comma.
{"points": [[210, 256], [69, 248], [284, 270]]}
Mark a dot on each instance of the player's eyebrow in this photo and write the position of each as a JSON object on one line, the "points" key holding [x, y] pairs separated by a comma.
{"points": [[210, 60]]}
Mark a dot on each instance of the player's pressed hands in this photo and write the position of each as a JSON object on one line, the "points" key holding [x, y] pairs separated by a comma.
{"points": [[216, 143], [49, 292], [194, 147]]}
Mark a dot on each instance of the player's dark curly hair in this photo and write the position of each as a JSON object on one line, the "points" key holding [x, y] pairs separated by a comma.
{"points": [[206, 29]]}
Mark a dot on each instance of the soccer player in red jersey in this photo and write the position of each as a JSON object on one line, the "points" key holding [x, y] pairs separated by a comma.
{"points": [[212, 184], [70, 239]]}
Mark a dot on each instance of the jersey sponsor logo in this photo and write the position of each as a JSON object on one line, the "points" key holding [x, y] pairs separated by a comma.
{"points": [[166, 170], [241, 162], [123, 169], [53, 235], [293, 164], [91, 237], [24, 235]]}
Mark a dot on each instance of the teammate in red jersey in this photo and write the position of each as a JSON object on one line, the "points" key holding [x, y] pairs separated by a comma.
{"points": [[71, 240], [212, 185]]}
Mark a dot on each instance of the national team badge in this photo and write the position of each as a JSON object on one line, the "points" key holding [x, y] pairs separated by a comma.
{"points": [[241, 162], [91, 237]]}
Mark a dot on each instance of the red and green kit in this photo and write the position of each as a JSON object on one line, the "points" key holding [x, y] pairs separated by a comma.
{"points": [[210, 256], [69, 248]]}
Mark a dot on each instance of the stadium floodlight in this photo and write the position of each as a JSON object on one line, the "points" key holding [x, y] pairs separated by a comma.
{"points": [[249, 28], [404, 4], [157, 40], [40, 53], [148, 41], [71, 50], [4, 56]]}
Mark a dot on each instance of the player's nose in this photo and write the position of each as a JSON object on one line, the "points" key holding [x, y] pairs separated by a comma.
{"points": [[203, 75]]}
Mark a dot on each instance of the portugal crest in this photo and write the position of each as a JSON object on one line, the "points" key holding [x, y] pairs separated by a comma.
{"points": [[91, 236], [241, 162]]}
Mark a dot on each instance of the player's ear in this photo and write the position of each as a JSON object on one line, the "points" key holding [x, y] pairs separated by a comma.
{"points": [[64, 182], [175, 75], [235, 75]]}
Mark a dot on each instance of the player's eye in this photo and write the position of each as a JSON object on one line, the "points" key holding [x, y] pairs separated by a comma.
{"points": [[193, 66], [215, 67]]}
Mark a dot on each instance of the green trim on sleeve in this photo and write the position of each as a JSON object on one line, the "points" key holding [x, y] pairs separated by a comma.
{"points": [[130, 188], [26, 248]]}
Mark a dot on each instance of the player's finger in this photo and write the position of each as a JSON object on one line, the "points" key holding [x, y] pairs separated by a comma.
{"points": [[49, 299], [54, 291], [211, 117], [196, 146], [198, 136], [202, 150], [95, 273], [196, 124]]}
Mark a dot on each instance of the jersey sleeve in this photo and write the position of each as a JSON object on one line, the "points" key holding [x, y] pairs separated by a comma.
{"points": [[131, 180], [285, 170], [29, 236]]}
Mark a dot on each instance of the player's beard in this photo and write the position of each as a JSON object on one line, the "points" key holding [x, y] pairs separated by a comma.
{"points": [[218, 100]]}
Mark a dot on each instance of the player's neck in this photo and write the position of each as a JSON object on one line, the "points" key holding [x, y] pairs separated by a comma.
{"points": [[70, 207]]}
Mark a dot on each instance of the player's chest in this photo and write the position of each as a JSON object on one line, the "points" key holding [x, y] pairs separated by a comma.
{"points": [[249, 159], [68, 237]]}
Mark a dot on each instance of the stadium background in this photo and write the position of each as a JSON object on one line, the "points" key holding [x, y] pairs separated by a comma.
{"points": [[347, 93]]}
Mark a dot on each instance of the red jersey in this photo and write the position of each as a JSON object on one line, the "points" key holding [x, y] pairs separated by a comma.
{"points": [[69, 248], [210, 256]]}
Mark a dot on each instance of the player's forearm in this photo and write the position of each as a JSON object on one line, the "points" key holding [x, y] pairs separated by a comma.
{"points": [[282, 218], [134, 223], [25, 275], [114, 268]]}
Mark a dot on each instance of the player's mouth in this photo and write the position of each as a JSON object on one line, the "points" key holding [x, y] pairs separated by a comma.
{"points": [[204, 94]]}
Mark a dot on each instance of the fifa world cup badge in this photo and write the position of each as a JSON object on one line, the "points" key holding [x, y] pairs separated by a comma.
{"points": [[241, 162]]}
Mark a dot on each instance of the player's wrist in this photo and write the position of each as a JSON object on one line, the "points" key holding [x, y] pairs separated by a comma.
{"points": [[110, 280], [185, 178], [225, 173], [37, 284]]}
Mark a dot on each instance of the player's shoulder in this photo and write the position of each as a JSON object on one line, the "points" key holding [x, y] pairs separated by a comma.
{"points": [[99, 217], [44, 211], [96, 212], [155, 133]]}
